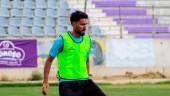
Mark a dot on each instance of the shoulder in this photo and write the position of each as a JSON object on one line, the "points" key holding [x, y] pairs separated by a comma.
{"points": [[58, 41], [64, 34], [60, 37]]}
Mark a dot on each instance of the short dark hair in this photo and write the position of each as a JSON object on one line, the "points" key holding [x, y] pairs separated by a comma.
{"points": [[77, 15]]}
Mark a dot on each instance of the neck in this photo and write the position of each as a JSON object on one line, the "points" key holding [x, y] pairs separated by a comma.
{"points": [[75, 34]]}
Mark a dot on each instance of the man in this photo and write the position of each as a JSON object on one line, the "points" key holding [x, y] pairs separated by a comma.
{"points": [[72, 50]]}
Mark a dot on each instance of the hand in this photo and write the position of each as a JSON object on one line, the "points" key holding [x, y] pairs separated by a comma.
{"points": [[45, 88]]}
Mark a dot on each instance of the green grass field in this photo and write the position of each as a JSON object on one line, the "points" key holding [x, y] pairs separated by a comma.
{"points": [[110, 90]]}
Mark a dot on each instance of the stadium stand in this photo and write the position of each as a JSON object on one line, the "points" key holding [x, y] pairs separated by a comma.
{"points": [[30, 18], [137, 18], [125, 17]]}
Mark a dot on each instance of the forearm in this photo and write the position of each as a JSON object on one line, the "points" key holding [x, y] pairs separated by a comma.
{"points": [[47, 69]]}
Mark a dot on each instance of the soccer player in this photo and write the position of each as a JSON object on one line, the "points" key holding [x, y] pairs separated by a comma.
{"points": [[72, 51]]}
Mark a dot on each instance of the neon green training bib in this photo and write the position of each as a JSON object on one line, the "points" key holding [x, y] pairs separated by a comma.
{"points": [[72, 59]]}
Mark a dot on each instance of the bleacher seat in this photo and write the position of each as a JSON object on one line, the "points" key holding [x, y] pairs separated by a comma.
{"points": [[37, 21], [156, 3], [50, 21], [64, 4], [29, 4], [164, 20], [3, 21], [16, 12], [5, 3], [114, 3], [41, 4], [125, 12], [137, 20], [17, 4], [63, 12], [28, 12], [52, 4], [14, 31], [147, 29], [4, 12], [3, 31], [49, 31], [104, 23], [15, 21], [37, 31], [26, 31], [63, 21], [40, 12], [27, 21], [161, 11], [61, 29], [52, 12]]}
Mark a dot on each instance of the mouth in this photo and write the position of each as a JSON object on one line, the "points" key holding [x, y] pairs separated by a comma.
{"points": [[83, 31]]}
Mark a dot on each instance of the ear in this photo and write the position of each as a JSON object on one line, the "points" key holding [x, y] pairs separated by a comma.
{"points": [[72, 23]]}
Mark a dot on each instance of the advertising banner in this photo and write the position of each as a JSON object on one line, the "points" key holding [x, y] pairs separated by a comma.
{"points": [[18, 53]]}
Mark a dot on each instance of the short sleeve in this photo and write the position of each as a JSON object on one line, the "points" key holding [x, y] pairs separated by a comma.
{"points": [[56, 47]]}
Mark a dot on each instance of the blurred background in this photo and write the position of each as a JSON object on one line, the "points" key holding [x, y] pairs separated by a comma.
{"points": [[130, 38]]}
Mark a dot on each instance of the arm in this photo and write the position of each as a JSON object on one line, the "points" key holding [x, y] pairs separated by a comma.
{"points": [[47, 68], [46, 73], [87, 62], [55, 49]]}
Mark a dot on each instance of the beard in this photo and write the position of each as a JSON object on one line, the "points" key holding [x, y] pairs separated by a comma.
{"points": [[81, 33]]}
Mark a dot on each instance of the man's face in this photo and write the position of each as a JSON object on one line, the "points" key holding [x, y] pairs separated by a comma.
{"points": [[80, 26]]}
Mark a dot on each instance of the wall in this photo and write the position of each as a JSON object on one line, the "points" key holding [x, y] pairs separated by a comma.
{"points": [[135, 55]]}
